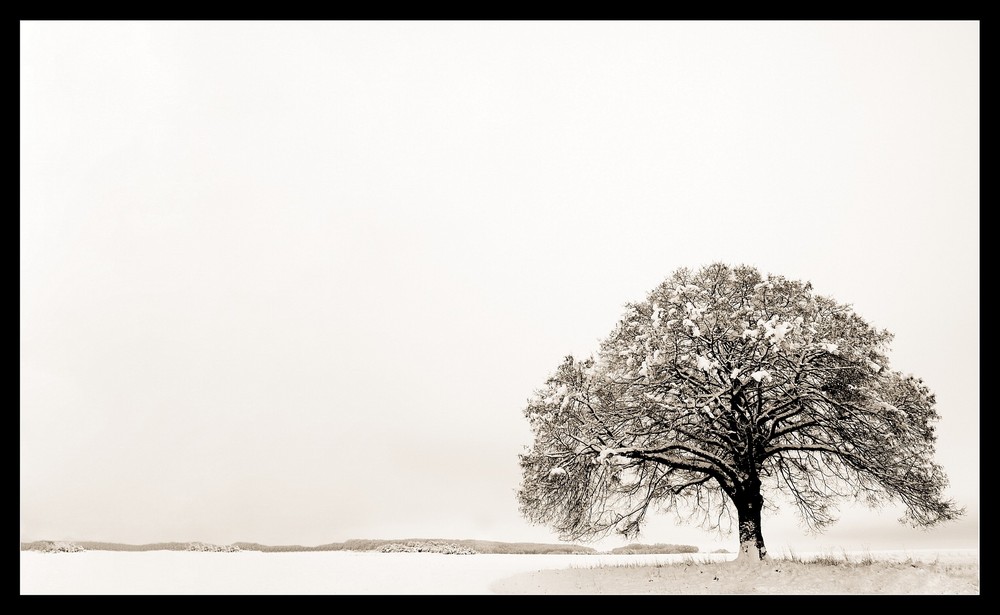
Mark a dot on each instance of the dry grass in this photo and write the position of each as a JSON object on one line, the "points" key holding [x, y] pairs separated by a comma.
{"points": [[829, 573]]}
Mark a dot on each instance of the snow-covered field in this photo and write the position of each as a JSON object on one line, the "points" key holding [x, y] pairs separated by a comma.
{"points": [[336, 572]]}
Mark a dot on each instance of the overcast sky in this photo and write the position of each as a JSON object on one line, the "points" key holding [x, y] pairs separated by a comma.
{"points": [[294, 282]]}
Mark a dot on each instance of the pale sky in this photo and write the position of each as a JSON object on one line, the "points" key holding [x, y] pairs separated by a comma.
{"points": [[293, 282]]}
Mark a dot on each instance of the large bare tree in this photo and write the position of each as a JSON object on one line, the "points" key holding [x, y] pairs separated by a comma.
{"points": [[722, 386]]}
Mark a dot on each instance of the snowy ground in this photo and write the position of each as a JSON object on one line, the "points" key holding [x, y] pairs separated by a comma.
{"points": [[860, 573], [340, 572]]}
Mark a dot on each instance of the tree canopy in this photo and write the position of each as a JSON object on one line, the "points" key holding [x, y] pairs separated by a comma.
{"points": [[722, 386]]}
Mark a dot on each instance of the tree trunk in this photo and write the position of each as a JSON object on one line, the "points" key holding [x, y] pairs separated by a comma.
{"points": [[748, 506]]}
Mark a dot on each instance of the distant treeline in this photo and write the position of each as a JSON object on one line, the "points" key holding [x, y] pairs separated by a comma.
{"points": [[479, 546], [89, 545], [637, 549], [52, 546], [114, 546], [256, 546]]}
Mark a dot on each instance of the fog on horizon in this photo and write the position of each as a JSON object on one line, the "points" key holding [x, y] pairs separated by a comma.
{"points": [[293, 282]]}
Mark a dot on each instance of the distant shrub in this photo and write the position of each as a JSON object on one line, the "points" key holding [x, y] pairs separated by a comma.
{"points": [[657, 549]]}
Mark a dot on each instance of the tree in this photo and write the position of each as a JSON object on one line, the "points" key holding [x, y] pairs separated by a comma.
{"points": [[721, 386]]}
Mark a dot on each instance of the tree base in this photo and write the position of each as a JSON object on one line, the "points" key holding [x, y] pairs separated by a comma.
{"points": [[750, 554]]}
